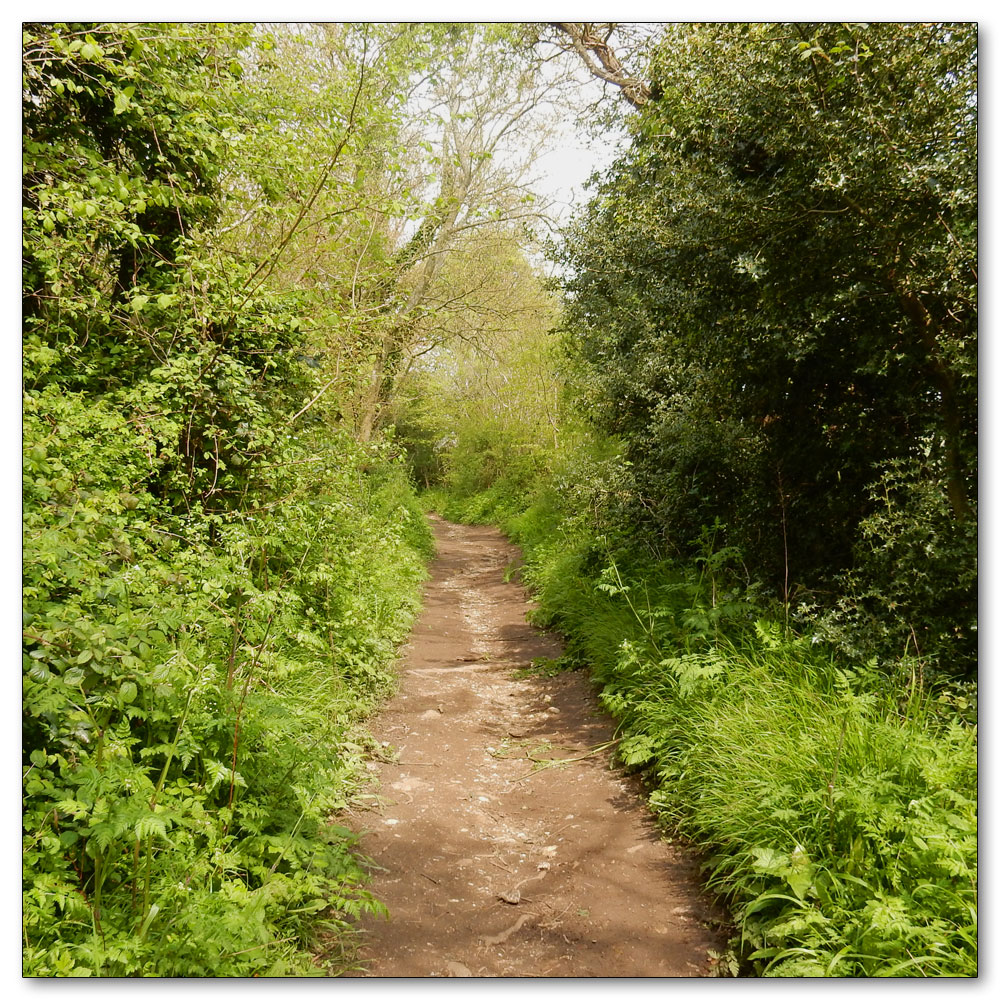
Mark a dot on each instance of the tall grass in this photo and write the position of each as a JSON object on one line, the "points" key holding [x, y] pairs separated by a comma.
{"points": [[841, 818], [834, 804]]}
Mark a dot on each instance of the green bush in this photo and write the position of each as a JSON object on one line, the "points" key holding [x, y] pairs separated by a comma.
{"points": [[193, 684], [214, 588], [895, 598], [771, 299]]}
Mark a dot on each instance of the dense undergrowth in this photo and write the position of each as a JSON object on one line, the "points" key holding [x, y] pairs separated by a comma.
{"points": [[834, 800], [192, 698], [216, 571]]}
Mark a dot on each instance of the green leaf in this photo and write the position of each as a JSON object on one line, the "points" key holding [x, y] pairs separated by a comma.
{"points": [[769, 860], [800, 881], [149, 826]]}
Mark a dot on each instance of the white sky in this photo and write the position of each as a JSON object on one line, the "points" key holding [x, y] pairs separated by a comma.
{"points": [[568, 164]]}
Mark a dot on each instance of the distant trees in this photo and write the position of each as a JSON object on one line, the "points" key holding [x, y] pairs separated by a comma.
{"points": [[773, 300], [442, 136], [482, 118], [490, 395]]}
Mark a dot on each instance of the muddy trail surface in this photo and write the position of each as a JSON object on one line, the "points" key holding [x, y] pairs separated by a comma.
{"points": [[504, 841]]}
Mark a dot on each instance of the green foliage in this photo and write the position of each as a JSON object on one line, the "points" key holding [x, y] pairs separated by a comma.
{"points": [[215, 581], [191, 692], [895, 598], [486, 406], [772, 300], [488, 479]]}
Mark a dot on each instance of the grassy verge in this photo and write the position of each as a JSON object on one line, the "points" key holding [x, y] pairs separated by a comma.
{"points": [[835, 804]]}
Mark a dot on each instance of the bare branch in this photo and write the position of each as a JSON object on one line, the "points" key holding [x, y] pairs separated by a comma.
{"points": [[587, 43]]}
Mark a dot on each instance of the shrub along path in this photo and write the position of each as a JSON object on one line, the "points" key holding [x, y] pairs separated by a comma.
{"points": [[506, 843]]}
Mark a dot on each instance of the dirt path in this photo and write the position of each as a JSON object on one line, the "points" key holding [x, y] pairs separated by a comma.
{"points": [[491, 861]]}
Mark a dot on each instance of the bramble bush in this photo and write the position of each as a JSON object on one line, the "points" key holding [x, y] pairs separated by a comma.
{"points": [[215, 576], [192, 692]]}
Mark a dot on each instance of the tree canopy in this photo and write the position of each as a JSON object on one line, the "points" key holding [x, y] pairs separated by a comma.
{"points": [[773, 297]]}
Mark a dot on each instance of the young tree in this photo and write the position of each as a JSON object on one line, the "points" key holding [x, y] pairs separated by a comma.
{"points": [[484, 114]]}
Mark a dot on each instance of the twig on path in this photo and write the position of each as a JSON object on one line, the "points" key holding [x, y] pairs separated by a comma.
{"points": [[513, 896], [532, 878], [545, 762]]}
